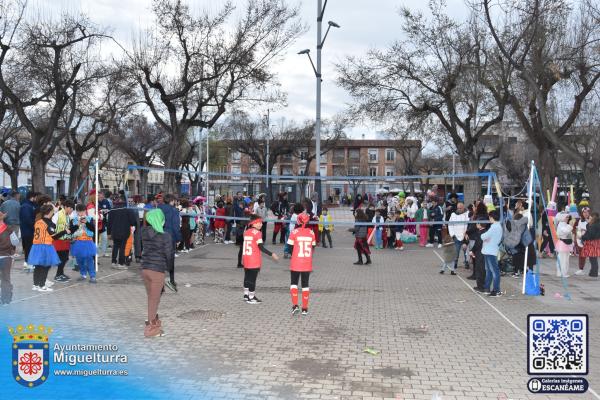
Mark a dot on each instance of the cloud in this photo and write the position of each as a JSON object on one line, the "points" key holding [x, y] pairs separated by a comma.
{"points": [[364, 25]]}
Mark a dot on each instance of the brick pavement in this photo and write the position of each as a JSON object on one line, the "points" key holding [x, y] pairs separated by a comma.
{"points": [[434, 334]]}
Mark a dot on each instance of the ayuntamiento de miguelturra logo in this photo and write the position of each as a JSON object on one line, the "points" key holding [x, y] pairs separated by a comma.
{"points": [[30, 354]]}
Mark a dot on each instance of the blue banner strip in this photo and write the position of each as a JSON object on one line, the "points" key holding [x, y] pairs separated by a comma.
{"points": [[307, 177]]}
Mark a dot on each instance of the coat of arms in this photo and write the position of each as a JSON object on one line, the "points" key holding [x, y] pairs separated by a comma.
{"points": [[30, 354]]}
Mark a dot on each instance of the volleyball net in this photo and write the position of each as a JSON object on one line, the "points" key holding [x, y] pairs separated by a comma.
{"points": [[340, 194]]}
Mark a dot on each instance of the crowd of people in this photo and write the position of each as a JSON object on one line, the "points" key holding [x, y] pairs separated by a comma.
{"points": [[153, 230]]}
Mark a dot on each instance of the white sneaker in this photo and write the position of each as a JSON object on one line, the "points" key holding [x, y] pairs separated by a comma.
{"points": [[176, 255], [439, 246], [401, 248], [49, 283], [429, 245], [45, 289], [35, 288], [25, 265], [580, 272]]}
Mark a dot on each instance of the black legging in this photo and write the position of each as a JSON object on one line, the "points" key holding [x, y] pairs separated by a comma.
{"points": [[64, 257], [547, 240], [250, 276], [303, 276], [27, 242], [594, 269], [326, 234], [40, 273], [435, 231]]}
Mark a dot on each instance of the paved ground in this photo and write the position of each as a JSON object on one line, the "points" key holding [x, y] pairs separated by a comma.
{"points": [[434, 335]]}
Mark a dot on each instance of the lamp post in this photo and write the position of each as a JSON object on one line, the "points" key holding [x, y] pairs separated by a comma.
{"points": [[320, 11]]}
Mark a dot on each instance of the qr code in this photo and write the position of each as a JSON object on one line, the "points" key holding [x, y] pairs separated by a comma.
{"points": [[557, 344]]}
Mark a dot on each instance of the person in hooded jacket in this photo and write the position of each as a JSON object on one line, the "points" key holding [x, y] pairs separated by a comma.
{"points": [[158, 257]]}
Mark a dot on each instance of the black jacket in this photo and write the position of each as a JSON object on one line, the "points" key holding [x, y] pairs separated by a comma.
{"points": [[592, 232], [159, 253], [120, 221]]}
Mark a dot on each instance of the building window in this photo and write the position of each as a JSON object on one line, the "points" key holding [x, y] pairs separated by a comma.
{"points": [[372, 171], [301, 171], [236, 156], [339, 155], [353, 170], [287, 157], [253, 168], [338, 170], [372, 155], [304, 154], [324, 158], [390, 155], [389, 171], [287, 171], [354, 154], [236, 169], [324, 170]]}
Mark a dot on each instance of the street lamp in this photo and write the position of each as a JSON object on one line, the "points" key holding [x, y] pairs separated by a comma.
{"points": [[317, 70]]}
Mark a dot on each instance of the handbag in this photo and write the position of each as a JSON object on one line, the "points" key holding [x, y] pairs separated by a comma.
{"points": [[526, 238]]}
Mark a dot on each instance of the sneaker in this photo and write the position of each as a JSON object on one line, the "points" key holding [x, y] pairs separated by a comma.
{"points": [[295, 310], [580, 272], [401, 248], [45, 289], [471, 277], [304, 311], [452, 273], [495, 294], [246, 297], [82, 278], [49, 283], [478, 289], [429, 245], [254, 300], [358, 263], [93, 280], [176, 255], [119, 267], [442, 272], [439, 246], [75, 268], [516, 275], [66, 277], [171, 285], [35, 288], [368, 262], [60, 278]]}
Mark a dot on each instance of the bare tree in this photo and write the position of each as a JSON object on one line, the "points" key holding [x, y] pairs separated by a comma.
{"points": [[249, 137], [444, 71], [62, 162], [51, 54], [214, 64], [15, 143], [140, 141], [553, 46]]}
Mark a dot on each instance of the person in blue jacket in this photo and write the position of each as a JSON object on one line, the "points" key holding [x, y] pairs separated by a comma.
{"points": [[173, 226], [27, 220]]}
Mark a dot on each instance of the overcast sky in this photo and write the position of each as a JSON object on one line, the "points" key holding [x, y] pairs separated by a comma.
{"points": [[364, 24]]}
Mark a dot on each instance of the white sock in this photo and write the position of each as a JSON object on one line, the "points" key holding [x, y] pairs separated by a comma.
{"points": [[251, 295], [246, 291]]}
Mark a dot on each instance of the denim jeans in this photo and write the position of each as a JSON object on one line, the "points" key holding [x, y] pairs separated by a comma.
{"points": [[458, 248], [492, 273], [378, 239], [103, 243]]}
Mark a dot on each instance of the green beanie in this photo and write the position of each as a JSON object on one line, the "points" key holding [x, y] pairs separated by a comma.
{"points": [[156, 219]]}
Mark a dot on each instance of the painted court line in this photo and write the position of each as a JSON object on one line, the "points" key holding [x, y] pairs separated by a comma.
{"points": [[592, 391]]}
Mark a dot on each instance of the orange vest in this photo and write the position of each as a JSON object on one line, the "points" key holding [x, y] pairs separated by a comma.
{"points": [[40, 233]]}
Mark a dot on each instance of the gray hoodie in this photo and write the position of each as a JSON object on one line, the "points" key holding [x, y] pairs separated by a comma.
{"points": [[512, 238]]}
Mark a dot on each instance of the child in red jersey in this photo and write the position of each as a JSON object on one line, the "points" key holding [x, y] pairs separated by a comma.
{"points": [[252, 246], [303, 241]]}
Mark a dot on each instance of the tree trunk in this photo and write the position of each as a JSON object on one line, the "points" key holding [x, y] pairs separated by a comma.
{"points": [[14, 178], [38, 173], [548, 165], [173, 161], [74, 177], [471, 186], [143, 182], [592, 180]]}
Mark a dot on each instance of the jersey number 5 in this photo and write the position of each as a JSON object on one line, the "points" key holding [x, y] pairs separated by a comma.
{"points": [[247, 248]]}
